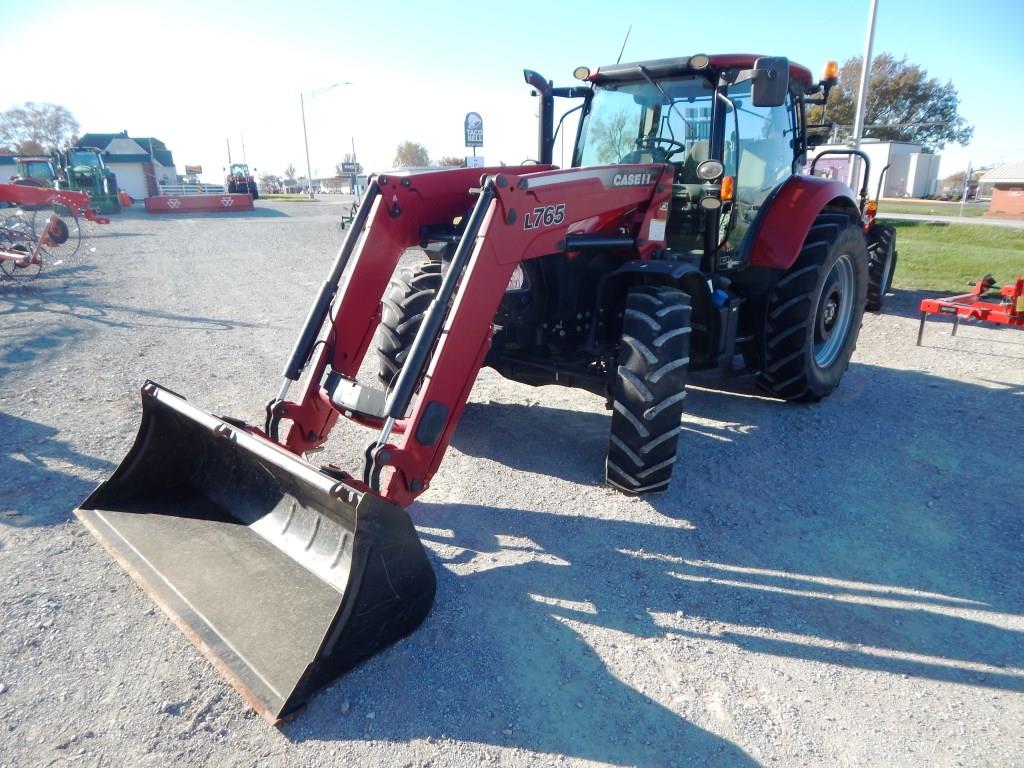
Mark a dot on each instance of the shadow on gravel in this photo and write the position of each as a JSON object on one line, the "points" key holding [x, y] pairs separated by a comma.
{"points": [[42, 480], [75, 302], [790, 531], [883, 533]]}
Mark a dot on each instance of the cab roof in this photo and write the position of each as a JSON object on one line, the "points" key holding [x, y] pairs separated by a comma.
{"points": [[659, 68]]}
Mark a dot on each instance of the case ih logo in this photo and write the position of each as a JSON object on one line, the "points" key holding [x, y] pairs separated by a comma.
{"points": [[631, 179], [227, 202], [173, 202]]}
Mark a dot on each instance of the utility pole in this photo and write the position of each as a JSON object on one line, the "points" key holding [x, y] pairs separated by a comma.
{"points": [[305, 134], [865, 77], [305, 137], [967, 180]]}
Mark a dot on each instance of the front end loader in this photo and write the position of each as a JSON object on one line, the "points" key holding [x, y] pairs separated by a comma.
{"points": [[683, 240]]}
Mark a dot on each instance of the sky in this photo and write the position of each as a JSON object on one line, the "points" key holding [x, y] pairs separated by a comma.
{"points": [[198, 73]]}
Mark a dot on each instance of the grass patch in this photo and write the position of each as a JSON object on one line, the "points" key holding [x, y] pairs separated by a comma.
{"points": [[287, 198], [931, 207], [935, 256]]}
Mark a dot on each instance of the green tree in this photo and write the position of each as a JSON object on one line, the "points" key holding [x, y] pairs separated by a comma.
{"points": [[903, 104], [34, 128], [411, 155], [452, 162]]}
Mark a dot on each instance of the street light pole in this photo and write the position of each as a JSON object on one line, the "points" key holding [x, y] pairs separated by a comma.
{"points": [[305, 134], [305, 137], [865, 77]]}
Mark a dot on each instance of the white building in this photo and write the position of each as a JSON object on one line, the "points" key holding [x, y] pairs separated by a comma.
{"points": [[911, 171], [140, 164]]}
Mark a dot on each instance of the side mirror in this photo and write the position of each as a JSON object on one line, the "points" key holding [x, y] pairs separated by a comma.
{"points": [[770, 82]]}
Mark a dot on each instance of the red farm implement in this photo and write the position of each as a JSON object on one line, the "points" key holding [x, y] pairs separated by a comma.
{"points": [[987, 302], [44, 230]]}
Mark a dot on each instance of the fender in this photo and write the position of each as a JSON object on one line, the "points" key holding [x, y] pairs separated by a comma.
{"points": [[778, 234]]}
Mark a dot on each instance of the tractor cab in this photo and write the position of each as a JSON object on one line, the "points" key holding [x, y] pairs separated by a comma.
{"points": [[239, 169], [85, 158], [731, 126], [35, 171]]}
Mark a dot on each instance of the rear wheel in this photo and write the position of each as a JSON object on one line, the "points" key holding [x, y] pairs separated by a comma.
{"points": [[881, 264], [648, 390], [255, 192], [405, 304], [814, 312]]}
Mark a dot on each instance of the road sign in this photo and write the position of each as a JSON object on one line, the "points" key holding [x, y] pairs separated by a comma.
{"points": [[474, 130], [193, 170], [474, 162], [349, 168]]}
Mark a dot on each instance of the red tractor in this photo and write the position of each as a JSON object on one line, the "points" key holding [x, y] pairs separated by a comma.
{"points": [[241, 180], [683, 238]]}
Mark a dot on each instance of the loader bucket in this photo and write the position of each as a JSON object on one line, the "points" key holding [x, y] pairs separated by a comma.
{"points": [[284, 576]]}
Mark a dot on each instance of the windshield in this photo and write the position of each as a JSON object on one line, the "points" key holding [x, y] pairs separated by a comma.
{"points": [[635, 123], [237, 169], [37, 169], [90, 159]]}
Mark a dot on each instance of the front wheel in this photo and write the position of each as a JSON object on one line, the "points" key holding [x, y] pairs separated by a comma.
{"points": [[881, 264], [814, 312], [648, 389]]}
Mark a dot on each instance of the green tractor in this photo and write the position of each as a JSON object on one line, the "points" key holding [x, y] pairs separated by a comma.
{"points": [[85, 171]]}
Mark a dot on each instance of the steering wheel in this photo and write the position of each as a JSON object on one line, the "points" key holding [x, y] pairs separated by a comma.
{"points": [[658, 154]]}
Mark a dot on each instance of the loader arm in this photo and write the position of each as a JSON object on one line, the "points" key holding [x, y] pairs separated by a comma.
{"points": [[515, 217]]}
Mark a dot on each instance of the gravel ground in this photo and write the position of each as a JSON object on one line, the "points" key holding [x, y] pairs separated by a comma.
{"points": [[828, 585]]}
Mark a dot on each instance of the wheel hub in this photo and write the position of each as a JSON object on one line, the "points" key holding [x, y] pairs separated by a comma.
{"points": [[834, 312]]}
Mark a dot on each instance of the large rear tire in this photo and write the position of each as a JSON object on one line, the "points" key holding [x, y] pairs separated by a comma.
{"points": [[648, 390], [881, 264], [407, 300], [814, 312]]}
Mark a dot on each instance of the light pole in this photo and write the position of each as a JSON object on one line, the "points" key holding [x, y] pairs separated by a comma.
{"points": [[305, 136]]}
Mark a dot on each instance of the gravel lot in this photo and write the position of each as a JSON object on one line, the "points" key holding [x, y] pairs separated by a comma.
{"points": [[828, 585]]}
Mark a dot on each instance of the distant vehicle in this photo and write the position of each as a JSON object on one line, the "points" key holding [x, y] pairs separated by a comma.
{"points": [[241, 180], [35, 171], [84, 171]]}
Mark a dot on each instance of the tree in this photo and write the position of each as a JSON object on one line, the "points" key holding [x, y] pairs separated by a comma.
{"points": [[411, 155], [903, 104], [452, 162], [610, 137], [349, 158], [37, 128], [269, 182], [289, 172]]}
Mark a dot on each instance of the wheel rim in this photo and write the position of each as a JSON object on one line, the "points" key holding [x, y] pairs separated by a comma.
{"points": [[833, 316]]}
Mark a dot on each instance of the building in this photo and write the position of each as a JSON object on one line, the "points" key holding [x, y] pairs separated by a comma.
{"points": [[141, 164], [912, 172], [1006, 182]]}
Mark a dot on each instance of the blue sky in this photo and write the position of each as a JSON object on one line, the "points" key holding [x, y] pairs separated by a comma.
{"points": [[193, 73]]}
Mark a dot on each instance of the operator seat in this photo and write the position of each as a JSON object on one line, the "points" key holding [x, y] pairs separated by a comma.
{"points": [[698, 153]]}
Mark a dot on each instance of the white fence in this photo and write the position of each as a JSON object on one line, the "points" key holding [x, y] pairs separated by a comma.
{"points": [[181, 190]]}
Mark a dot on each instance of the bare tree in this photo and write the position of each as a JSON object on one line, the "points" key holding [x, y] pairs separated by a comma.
{"points": [[289, 172], [411, 155], [452, 162], [35, 128], [349, 158]]}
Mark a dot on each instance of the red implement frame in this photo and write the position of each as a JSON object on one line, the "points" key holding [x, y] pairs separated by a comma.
{"points": [[1004, 308], [514, 215], [78, 202], [35, 256]]}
